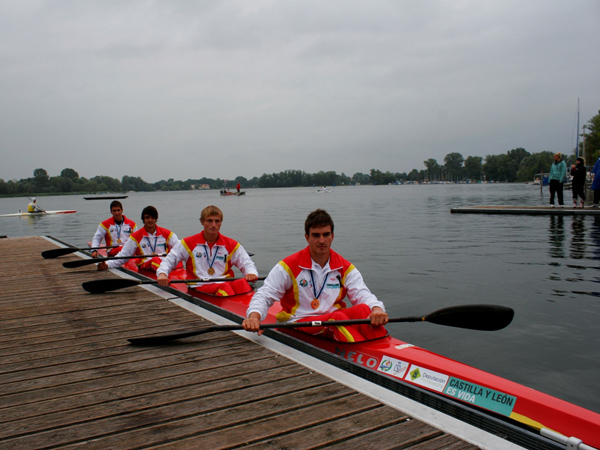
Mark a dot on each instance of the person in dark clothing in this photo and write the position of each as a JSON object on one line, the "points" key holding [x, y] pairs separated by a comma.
{"points": [[578, 183]]}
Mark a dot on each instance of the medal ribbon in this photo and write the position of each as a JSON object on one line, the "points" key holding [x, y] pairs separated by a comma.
{"points": [[210, 265], [153, 248], [315, 286], [118, 227]]}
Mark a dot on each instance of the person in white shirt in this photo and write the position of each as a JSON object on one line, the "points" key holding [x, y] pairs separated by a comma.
{"points": [[150, 240], [311, 285]]}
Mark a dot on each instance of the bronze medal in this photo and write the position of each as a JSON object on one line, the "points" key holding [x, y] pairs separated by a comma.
{"points": [[211, 271], [119, 241], [315, 303]]}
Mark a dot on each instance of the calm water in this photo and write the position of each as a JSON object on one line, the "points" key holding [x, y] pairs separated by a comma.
{"points": [[416, 257]]}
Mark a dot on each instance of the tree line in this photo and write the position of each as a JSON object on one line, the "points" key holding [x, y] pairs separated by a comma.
{"points": [[516, 165]]}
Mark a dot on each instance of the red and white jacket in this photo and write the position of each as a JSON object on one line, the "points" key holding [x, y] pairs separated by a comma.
{"points": [[112, 233], [199, 257], [297, 281], [142, 243]]}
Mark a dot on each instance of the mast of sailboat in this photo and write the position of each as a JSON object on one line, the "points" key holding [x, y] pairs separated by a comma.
{"points": [[577, 133]]}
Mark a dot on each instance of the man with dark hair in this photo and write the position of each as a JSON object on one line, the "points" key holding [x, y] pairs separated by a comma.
{"points": [[311, 285], [149, 240], [114, 231], [209, 254]]}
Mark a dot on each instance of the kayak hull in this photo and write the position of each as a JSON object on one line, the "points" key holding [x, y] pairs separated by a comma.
{"points": [[37, 214]]}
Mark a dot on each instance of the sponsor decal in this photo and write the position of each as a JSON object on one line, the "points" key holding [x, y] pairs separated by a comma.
{"points": [[393, 366], [333, 286], [403, 346], [487, 398], [427, 378], [360, 358]]}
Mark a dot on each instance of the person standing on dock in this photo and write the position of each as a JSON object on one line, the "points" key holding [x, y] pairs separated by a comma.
{"points": [[114, 231], [558, 172], [149, 240], [209, 254], [596, 182], [311, 285], [578, 183]]}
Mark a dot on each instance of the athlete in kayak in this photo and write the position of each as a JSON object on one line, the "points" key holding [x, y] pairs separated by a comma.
{"points": [[209, 254], [33, 207], [115, 231], [311, 286], [149, 240]]}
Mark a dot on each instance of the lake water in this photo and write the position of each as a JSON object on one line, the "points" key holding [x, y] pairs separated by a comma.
{"points": [[417, 258]]}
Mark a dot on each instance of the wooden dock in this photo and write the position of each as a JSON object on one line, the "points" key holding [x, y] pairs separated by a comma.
{"points": [[69, 379], [527, 210]]}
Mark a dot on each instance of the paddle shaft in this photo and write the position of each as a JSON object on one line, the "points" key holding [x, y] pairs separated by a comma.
{"points": [[99, 286], [476, 317], [85, 262], [263, 326], [56, 252]]}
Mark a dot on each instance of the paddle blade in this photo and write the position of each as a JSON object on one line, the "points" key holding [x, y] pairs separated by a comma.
{"points": [[473, 317], [99, 286], [56, 252]]}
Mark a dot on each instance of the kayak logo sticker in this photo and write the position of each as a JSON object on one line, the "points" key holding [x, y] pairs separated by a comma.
{"points": [[483, 397], [393, 366], [427, 378]]}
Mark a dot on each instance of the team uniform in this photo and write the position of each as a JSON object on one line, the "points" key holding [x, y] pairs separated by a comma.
{"points": [[33, 207], [203, 260], [309, 292], [113, 234], [142, 243]]}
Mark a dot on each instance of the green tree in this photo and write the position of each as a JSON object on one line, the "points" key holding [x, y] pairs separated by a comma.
{"points": [[592, 140], [473, 167], [70, 174], [40, 179], [453, 163], [534, 164], [433, 169]]}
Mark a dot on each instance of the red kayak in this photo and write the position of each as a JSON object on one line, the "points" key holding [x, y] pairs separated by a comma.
{"points": [[404, 364]]}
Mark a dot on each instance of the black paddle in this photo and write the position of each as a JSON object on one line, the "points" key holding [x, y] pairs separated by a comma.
{"points": [[86, 262], [99, 286], [56, 252], [473, 317]]}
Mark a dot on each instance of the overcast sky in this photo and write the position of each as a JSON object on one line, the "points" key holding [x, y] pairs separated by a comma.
{"points": [[186, 89]]}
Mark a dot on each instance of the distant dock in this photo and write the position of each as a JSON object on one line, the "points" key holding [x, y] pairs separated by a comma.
{"points": [[527, 210]]}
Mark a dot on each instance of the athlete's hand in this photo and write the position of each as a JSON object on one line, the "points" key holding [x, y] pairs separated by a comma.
{"points": [[378, 316], [163, 279], [252, 323]]}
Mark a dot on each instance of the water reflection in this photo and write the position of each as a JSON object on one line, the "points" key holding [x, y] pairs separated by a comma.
{"points": [[578, 237], [557, 236], [595, 238]]}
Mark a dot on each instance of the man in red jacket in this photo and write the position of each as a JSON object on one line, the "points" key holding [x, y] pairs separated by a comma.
{"points": [[114, 231]]}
